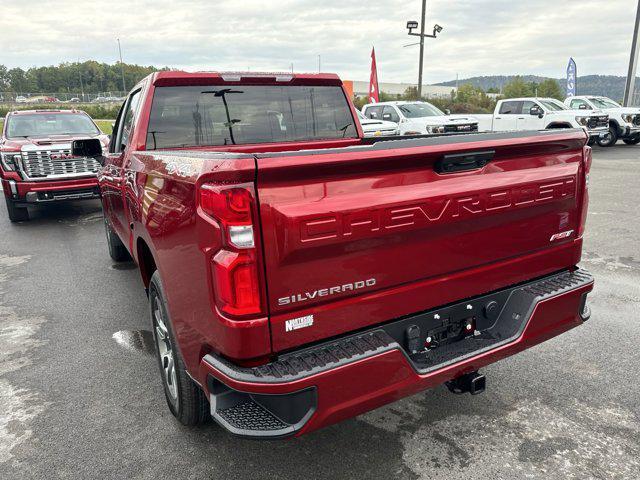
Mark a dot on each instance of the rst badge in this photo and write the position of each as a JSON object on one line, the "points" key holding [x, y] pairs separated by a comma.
{"points": [[561, 236]]}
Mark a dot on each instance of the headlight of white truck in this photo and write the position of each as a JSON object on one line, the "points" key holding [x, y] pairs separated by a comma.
{"points": [[435, 129], [628, 118], [584, 121]]}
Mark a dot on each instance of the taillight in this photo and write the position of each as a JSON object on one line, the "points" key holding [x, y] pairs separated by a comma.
{"points": [[235, 269], [587, 161]]}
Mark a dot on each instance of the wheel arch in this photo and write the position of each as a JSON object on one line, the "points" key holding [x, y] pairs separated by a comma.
{"points": [[558, 125], [613, 123], [146, 261]]}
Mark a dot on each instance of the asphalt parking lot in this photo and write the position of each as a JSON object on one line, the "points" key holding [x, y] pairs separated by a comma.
{"points": [[78, 402]]}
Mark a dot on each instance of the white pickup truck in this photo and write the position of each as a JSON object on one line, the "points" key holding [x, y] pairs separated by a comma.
{"points": [[420, 118], [517, 114], [624, 122]]}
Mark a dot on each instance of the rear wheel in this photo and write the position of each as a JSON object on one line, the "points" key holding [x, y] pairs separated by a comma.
{"points": [[16, 214], [632, 141], [610, 139], [117, 251], [185, 398]]}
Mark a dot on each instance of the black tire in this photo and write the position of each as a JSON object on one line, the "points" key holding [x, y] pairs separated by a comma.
{"points": [[610, 139], [117, 251], [16, 214], [185, 398], [632, 140]]}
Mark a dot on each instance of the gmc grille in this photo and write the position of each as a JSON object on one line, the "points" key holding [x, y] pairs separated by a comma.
{"points": [[40, 165], [470, 127], [595, 122]]}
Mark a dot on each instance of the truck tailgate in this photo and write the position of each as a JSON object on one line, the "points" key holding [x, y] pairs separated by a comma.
{"points": [[358, 236]]}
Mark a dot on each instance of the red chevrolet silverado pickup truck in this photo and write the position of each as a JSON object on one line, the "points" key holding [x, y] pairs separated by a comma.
{"points": [[36, 165], [299, 274]]}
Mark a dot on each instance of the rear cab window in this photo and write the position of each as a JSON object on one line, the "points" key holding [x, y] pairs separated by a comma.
{"points": [[247, 114], [511, 108]]}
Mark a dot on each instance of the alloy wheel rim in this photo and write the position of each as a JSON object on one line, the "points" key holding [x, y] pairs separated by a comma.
{"points": [[165, 350], [606, 140]]}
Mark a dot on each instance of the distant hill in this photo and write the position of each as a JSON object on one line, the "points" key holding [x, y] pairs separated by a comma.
{"points": [[606, 85]]}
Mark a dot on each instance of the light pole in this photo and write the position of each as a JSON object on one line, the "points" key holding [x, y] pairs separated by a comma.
{"points": [[124, 88], [80, 75], [633, 64], [412, 25]]}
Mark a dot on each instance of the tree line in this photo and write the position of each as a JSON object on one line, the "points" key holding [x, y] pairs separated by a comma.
{"points": [[89, 77], [473, 99]]}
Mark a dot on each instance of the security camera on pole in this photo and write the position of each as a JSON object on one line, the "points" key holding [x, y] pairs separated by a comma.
{"points": [[412, 25]]}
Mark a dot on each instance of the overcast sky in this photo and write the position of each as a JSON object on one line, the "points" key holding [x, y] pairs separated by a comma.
{"points": [[480, 37]]}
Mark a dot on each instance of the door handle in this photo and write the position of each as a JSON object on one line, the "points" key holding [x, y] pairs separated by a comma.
{"points": [[462, 162]]}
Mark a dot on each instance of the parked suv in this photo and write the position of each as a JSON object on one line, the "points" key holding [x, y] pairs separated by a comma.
{"points": [[624, 122], [36, 164], [420, 118]]}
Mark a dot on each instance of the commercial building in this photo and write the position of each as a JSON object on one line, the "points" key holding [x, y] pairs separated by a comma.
{"points": [[361, 89]]}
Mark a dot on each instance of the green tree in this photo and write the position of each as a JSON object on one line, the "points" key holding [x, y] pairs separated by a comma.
{"points": [[517, 88], [89, 76], [411, 93], [550, 88]]}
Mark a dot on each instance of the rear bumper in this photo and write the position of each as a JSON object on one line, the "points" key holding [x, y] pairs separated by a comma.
{"points": [[311, 388], [43, 191]]}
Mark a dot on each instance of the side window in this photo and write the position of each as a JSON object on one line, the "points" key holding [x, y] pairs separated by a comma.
{"points": [[527, 105], [389, 113], [116, 127], [510, 108], [374, 113], [125, 122], [577, 103]]}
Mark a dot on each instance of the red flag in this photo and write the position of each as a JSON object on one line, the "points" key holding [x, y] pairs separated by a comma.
{"points": [[374, 93]]}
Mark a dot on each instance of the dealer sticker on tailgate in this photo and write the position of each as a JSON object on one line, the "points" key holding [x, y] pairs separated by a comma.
{"points": [[298, 323]]}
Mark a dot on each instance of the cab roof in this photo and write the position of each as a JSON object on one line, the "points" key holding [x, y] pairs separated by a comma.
{"points": [[181, 78]]}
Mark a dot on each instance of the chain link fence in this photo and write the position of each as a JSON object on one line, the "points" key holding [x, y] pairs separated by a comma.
{"points": [[13, 98]]}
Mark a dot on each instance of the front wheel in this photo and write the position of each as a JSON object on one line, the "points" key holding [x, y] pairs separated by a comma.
{"points": [[185, 398], [16, 214], [610, 139], [632, 141]]}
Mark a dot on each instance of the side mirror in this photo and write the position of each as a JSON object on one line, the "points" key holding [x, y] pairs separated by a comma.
{"points": [[386, 117], [447, 112], [90, 147], [582, 107], [535, 110]]}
